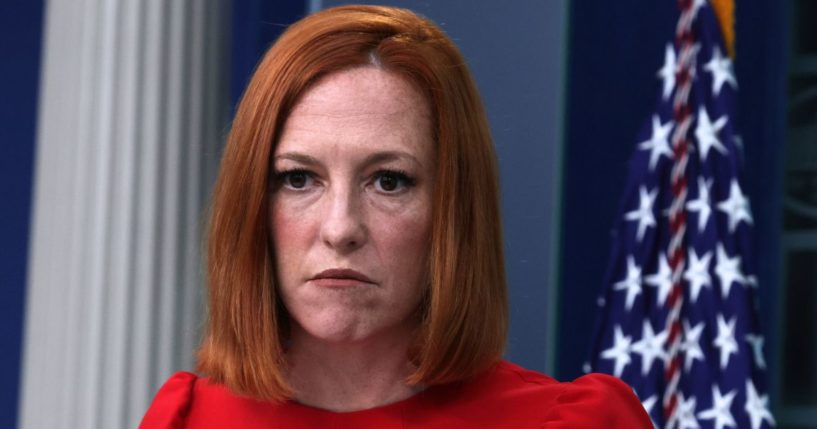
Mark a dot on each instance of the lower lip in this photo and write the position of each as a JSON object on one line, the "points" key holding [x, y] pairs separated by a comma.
{"points": [[338, 283]]}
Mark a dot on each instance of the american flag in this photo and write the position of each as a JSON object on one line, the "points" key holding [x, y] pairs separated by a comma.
{"points": [[678, 319]]}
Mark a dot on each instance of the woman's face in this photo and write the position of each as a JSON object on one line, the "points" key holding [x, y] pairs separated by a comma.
{"points": [[351, 206]]}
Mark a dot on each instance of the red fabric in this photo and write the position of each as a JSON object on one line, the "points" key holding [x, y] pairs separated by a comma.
{"points": [[172, 403], [506, 397]]}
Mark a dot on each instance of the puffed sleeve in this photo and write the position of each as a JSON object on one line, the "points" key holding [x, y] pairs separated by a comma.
{"points": [[171, 404], [597, 401]]}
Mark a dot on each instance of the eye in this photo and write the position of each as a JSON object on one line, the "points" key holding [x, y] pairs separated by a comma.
{"points": [[391, 181], [295, 179]]}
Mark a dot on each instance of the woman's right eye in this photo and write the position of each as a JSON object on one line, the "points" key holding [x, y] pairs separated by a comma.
{"points": [[295, 179]]}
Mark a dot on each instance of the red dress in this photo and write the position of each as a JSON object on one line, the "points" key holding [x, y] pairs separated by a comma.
{"points": [[505, 397]]}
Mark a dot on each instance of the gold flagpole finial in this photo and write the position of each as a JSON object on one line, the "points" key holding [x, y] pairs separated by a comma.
{"points": [[725, 11]]}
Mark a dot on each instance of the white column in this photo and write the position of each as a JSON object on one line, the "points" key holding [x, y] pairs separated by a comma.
{"points": [[133, 111]]}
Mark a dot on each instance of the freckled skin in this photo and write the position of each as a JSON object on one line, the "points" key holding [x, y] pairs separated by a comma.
{"points": [[337, 210]]}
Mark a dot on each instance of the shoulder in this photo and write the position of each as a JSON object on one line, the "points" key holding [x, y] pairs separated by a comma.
{"points": [[171, 404], [597, 401], [189, 401], [532, 399]]}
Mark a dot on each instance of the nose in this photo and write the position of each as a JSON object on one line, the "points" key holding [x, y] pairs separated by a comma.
{"points": [[343, 227]]}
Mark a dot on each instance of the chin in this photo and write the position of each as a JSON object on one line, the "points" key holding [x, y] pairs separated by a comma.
{"points": [[348, 329], [336, 328]]}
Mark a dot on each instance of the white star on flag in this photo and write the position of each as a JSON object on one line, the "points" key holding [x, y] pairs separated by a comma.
{"points": [[751, 280], [648, 405], [620, 352], [697, 274], [702, 204], [721, 69], [662, 279], [667, 71], [707, 134], [736, 206], [650, 347], [631, 283], [728, 270], [643, 214], [756, 341], [720, 409], [658, 144], [691, 344], [725, 340], [686, 413], [757, 406]]}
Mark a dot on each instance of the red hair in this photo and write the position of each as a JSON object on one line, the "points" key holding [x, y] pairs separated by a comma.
{"points": [[464, 325]]}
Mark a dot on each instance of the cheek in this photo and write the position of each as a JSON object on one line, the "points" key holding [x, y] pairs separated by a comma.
{"points": [[404, 242], [290, 234]]}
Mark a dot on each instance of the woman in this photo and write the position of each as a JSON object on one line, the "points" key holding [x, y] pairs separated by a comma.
{"points": [[355, 261]]}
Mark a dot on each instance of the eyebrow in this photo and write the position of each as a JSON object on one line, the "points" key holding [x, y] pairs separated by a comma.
{"points": [[298, 157], [374, 158]]}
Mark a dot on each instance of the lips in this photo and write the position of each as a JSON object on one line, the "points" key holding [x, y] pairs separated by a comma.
{"points": [[340, 277]]}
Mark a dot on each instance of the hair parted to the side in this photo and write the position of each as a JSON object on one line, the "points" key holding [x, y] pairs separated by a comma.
{"points": [[464, 324]]}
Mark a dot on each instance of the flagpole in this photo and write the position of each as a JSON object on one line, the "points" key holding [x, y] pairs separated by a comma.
{"points": [[685, 42]]}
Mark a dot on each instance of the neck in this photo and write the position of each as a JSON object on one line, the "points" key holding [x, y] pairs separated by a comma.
{"points": [[345, 377]]}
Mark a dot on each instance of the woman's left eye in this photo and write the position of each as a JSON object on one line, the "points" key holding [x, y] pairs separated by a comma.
{"points": [[391, 182]]}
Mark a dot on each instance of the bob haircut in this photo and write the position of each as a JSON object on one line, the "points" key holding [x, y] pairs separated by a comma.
{"points": [[464, 312]]}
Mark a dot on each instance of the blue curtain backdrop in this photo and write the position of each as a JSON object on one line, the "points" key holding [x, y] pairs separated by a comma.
{"points": [[21, 23], [255, 26]]}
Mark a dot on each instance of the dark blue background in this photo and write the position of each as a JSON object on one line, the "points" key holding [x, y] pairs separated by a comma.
{"points": [[21, 24], [255, 26]]}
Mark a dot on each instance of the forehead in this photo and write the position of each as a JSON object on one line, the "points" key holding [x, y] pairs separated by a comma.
{"points": [[364, 90], [364, 106]]}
